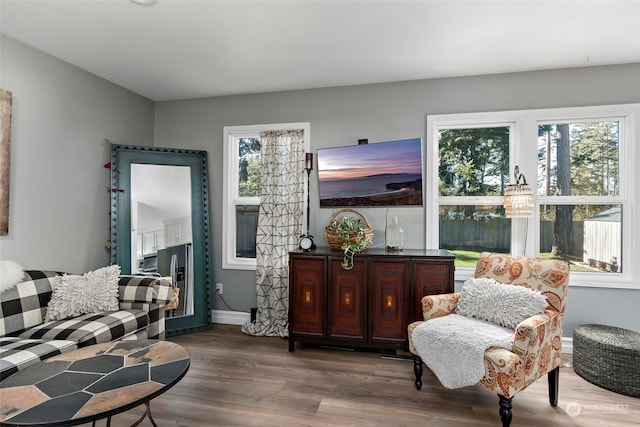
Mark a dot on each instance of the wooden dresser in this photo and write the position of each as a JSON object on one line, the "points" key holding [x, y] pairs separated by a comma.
{"points": [[369, 305]]}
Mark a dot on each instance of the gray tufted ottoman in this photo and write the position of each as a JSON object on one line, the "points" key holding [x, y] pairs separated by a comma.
{"points": [[608, 357]]}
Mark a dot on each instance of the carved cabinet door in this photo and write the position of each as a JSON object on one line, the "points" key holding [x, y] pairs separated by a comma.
{"points": [[389, 298], [347, 305], [307, 298], [430, 278]]}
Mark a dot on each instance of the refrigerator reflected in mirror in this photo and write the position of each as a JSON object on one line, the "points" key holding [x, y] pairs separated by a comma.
{"points": [[177, 262]]}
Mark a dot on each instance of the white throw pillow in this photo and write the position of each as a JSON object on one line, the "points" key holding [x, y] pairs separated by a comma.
{"points": [[11, 273], [505, 305], [92, 292]]}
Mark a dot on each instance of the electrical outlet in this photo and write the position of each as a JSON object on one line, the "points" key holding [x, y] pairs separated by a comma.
{"points": [[219, 288]]}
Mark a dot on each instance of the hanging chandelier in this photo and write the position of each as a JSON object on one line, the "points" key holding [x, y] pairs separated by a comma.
{"points": [[518, 198]]}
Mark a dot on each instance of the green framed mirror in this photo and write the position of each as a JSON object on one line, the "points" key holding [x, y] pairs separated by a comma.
{"points": [[160, 225]]}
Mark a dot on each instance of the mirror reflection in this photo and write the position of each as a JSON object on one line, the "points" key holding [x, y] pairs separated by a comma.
{"points": [[161, 230]]}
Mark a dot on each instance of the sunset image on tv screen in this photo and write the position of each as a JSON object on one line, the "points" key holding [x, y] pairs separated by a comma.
{"points": [[377, 174]]}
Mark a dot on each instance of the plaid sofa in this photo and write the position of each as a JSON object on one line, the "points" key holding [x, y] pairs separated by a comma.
{"points": [[25, 337]]}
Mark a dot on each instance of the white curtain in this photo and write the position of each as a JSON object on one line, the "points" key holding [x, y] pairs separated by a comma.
{"points": [[279, 228]]}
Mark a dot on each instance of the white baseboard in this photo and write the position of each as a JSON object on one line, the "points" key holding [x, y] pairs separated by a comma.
{"points": [[226, 317]]}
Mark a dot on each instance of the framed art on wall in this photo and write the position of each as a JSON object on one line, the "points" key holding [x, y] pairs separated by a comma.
{"points": [[5, 159]]}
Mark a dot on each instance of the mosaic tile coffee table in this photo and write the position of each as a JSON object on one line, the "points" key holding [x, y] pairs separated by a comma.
{"points": [[92, 383]]}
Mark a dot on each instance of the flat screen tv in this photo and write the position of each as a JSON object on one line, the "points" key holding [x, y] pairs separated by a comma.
{"points": [[377, 174]]}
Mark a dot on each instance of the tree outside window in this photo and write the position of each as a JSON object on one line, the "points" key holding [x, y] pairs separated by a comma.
{"points": [[473, 173], [577, 187], [580, 160], [247, 201]]}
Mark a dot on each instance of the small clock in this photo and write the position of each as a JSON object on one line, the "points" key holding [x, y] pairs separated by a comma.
{"points": [[306, 243]]}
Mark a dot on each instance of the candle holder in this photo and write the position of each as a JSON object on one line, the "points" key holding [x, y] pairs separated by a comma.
{"points": [[306, 240]]}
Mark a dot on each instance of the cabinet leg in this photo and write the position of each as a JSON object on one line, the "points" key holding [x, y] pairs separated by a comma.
{"points": [[292, 345]]}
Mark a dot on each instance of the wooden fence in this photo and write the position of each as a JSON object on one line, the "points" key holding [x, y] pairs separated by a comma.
{"points": [[485, 234], [495, 234], [246, 227]]}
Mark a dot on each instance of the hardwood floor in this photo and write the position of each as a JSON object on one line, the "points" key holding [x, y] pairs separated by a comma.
{"points": [[239, 380]]}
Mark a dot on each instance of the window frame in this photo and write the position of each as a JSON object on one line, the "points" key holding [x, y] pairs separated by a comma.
{"points": [[523, 151], [230, 186]]}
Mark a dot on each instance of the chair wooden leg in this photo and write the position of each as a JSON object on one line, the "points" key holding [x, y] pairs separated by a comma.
{"points": [[554, 380], [505, 410], [417, 370]]}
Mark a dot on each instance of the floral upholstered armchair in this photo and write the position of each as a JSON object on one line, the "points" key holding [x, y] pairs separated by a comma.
{"points": [[535, 342]]}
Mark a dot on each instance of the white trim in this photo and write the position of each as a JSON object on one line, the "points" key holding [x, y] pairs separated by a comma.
{"points": [[577, 279], [523, 152], [225, 317], [229, 259]]}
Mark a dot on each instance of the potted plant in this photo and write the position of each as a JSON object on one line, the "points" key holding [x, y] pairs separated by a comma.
{"points": [[350, 235], [355, 240]]}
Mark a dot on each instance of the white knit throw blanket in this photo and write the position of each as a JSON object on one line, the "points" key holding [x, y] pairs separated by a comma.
{"points": [[453, 347]]}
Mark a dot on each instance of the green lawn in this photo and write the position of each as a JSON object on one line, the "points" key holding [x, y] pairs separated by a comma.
{"points": [[465, 258], [469, 259]]}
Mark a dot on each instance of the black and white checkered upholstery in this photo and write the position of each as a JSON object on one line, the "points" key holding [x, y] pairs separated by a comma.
{"points": [[18, 353], [150, 294], [25, 305], [25, 338], [93, 328]]}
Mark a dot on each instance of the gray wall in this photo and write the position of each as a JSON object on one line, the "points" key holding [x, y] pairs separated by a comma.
{"points": [[340, 116], [59, 207], [59, 202]]}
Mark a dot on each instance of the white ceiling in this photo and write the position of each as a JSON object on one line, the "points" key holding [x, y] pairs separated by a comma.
{"points": [[178, 49], [165, 188]]}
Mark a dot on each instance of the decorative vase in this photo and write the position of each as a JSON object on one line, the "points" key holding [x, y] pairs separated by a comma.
{"points": [[394, 236]]}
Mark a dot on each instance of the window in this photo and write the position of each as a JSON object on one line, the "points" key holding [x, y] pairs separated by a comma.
{"points": [[472, 176], [578, 188], [580, 164], [242, 191]]}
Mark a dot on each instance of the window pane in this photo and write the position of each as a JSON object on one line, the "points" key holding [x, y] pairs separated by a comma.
{"points": [[578, 159], [588, 236], [473, 162], [469, 230], [246, 230], [248, 167]]}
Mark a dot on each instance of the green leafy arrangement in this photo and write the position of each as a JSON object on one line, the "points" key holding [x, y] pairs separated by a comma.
{"points": [[355, 240]]}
